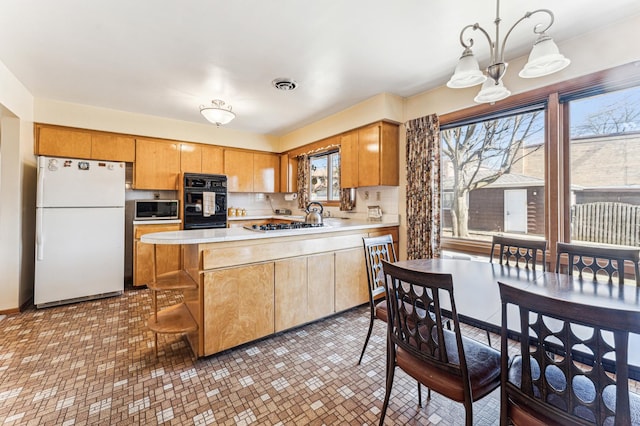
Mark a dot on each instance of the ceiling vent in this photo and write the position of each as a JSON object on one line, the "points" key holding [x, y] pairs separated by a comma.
{"points": [[285, 84]]}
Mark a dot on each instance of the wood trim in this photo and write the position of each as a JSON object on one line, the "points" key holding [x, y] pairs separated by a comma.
{"points": [[11, 311], [553, 180], [619, 77]]}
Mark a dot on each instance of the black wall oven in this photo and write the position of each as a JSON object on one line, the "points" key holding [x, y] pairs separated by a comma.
{"points": [[205, 201]]}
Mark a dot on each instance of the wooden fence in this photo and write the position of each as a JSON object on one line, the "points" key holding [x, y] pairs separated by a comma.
{"points": [[606, 222]]}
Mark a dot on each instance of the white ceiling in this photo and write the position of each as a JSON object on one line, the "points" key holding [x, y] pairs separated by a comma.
{"points": [[167, 57]]}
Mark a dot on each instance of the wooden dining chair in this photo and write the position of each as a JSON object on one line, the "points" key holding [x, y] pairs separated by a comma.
{"points": [[606, 262], [376, 249], [457, 367], [558, 377], [519, 251]]}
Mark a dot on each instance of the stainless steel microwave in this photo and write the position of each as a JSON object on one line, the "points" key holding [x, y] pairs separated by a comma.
{"points": [[156, 209]]}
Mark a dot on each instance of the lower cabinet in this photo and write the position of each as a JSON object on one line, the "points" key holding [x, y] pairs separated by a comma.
{"points": [[304, 290], [168, 256], [238, 306], [352, 288]]}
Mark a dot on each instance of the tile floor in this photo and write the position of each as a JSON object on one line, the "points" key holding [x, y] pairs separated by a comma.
{"points": [[93, 363]]}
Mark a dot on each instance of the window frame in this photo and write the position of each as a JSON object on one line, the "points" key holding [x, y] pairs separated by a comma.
{"points": [[328, 154], [556, 145]]}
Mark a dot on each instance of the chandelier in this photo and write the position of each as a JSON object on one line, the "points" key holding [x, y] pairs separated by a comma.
{"points": [[544, 59], [217, 113]]}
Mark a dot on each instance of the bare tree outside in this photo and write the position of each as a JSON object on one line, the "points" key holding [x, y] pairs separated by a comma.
{"points": [[482, 152], [615, 117]]}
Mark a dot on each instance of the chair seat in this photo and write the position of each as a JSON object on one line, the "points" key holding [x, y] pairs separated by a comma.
{"points": [[583, 388], [483, 364], [382, 310]]}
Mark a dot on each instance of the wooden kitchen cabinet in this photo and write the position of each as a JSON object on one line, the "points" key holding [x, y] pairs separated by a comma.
{"points": [[351, 279], [238, 166], [288, 173], [266, 172], [113, 147], [77, 143], [304, 290], [212, 159], [157, 165], [251, 171], [190, 158], [238, 306], [63, 142], [168, 256], [349, 159], [378, 160], [369, 156]]}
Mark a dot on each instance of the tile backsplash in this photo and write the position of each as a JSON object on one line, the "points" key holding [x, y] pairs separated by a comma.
{"points": [[256, 204]]}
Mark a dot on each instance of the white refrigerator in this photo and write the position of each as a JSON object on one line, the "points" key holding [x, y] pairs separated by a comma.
{"points": [[79, 230]]}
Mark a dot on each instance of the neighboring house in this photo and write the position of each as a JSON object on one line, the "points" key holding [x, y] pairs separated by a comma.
{"points": [[513, 203], [603, 170]]}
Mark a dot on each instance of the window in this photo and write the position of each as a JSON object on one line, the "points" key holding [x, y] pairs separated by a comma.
{"points": [[493, 175], [560, 162], [604, 152], [324, 177]]}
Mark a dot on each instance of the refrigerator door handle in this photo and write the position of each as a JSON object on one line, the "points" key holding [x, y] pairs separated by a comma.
{"points": [[39, 244], [40, 184]]}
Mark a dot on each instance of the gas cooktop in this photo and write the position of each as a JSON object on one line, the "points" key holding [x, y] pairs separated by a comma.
{"points": [[283, 226]]}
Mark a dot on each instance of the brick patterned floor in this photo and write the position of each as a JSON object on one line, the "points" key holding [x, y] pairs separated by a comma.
{"points": [[93, 363]]}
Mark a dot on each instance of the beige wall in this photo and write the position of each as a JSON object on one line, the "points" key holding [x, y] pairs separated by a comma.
{"points": [[17, 192]]}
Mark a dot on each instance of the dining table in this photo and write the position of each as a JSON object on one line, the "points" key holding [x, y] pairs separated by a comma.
{"points": [[477, 296]]}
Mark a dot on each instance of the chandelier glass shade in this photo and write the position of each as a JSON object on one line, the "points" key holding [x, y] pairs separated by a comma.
{"points": [[544, 59], [217, 113]]}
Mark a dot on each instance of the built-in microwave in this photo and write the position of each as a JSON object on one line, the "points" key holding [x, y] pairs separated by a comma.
{"points": [[156, 209]]}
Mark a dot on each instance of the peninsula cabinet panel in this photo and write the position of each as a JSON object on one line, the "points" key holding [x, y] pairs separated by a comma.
{"points": [[349, 159], [320, 286], [212, 160], [168, 256], [291, 293], [266, 172], [157, 165], [378, 155], [190, 158], [351, 279], [62, 142], [110, 147], [238, 306], [238, 166]]}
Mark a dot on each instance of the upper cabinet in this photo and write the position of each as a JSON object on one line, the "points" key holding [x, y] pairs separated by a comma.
{"points": [[288, 173], [369, 156], [238, 166], [212, 159], [76, 143], [266, 172], [251, 172], [190, 158], [378, 155], [349, 159], [157, 165]]}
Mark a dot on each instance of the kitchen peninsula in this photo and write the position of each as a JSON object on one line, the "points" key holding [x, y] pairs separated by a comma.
{"points": [[249, 284]]}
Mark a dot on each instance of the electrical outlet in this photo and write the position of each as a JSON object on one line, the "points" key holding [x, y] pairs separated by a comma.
{"points": [[366, 195], [377, 195]]}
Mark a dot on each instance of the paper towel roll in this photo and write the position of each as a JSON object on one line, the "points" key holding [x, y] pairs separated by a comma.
{"points": [[291, 197]]}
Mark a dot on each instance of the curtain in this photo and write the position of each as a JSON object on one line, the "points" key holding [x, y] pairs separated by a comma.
{"points": [[423, 187], [303, 181], [347, 199]]}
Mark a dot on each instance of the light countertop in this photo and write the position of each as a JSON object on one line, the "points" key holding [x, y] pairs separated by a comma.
{"points": [[202, 236]]}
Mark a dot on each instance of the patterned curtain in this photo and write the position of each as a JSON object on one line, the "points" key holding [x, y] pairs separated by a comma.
{"points": [[303, 181], [423, 187], [347, 199]]}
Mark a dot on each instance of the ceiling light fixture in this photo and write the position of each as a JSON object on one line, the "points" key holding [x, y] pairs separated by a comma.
{"points": [[544, 59], [217, 113]]}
